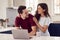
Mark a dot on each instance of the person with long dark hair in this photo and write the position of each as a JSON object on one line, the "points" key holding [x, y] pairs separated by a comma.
{"points": [[42, 19]]}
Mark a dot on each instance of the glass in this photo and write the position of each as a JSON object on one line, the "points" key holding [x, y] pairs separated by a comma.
{"points": [[57, 6]]}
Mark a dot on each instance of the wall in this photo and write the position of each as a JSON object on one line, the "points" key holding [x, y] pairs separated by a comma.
{"points": [[3, 5]]}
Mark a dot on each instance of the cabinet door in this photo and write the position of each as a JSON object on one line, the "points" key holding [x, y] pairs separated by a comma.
{"points": [[16, 3], [56, 7], [11, 14]]}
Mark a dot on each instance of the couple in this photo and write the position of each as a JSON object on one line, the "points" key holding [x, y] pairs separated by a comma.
{"points": [[38, 23]]}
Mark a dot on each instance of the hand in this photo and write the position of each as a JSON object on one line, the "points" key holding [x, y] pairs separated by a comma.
{"points": [[18, 15], [31, 34]]}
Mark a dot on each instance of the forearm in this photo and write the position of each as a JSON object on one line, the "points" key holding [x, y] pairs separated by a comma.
{"points": [[33, 32], [43, 29], [40, 27]]}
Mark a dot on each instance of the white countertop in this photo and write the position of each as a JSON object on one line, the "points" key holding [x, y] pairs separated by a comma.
{"points": [[10, 37]]}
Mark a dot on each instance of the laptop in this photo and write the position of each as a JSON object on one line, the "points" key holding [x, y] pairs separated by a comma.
{"points": [[20, 34]]}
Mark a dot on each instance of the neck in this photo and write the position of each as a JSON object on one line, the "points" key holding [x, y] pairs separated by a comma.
{"points": [[42, 15], [22, 16]]}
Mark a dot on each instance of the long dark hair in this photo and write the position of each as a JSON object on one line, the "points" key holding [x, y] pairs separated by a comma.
{"points": [[44, 6]]}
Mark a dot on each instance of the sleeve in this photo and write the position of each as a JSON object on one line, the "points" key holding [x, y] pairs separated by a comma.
{"points": [[17, 22], [31, 20], [48, 21]]}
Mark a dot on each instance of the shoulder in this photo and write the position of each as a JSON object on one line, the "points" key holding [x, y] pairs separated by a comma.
{"points": [[17, 18], [45, 18], [30, 15], [49, 19]]}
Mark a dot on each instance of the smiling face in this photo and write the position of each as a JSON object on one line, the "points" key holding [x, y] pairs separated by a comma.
{"points": [[22, 11], [25, 12], [40, 10]]}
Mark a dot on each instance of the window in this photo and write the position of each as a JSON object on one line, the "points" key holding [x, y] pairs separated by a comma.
{"points": [[32, 5], [57, 6]]}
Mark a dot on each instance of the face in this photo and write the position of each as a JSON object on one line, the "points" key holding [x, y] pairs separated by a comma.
{"points": [[25, 12], [40, 10]]}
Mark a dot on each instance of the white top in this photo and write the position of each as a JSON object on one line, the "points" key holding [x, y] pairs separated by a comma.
{"points": [[44, 21]]}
